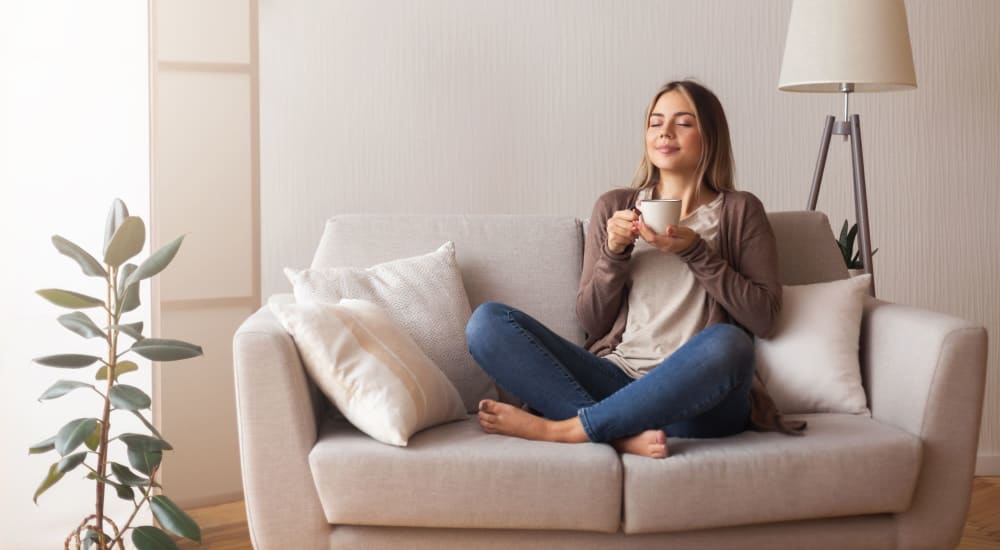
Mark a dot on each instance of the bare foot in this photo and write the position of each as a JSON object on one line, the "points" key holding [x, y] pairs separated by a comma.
{"points": [[504, 419], [650, 443]]}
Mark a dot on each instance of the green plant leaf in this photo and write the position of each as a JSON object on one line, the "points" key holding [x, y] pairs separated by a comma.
{"points": [[69, 299], [127, 476], [128, 293], [42, 446], [134, 330], [163, 349], [94, 439], [121, 368], [73, 434], [144, 442], [70, 462], [128, 241], [116, 215], [51, 479], [89, 539], [174, 519], [843, 233], [851, 236], [148, 424], [151, 538], [123, 273], [81, 324], [87, 263], [129, 398], [156, 262], [125, 492], [67, 360], [144, 461], [61, 388], [95, 477]]}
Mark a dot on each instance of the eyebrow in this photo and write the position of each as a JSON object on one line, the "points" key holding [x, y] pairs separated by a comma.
{"points": [[651, 115]]}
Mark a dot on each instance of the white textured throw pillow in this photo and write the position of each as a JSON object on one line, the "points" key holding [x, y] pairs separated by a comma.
{"points": [[811, 363], [370, 368], [424, 295]]}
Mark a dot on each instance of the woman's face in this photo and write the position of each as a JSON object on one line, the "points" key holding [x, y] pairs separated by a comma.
{"points": [[673, 142]]}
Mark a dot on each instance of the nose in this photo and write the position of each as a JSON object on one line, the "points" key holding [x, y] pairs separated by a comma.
{"points": [[666, 131]]}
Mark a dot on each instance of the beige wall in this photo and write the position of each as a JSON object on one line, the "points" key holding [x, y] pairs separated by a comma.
{"points": [[477, 106], [204, 185]]}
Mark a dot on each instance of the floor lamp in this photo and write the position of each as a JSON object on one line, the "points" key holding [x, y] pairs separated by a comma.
{"points": [[847, 46]]}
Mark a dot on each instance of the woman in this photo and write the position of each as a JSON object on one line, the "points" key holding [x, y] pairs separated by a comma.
{"points": [[669, 317]]}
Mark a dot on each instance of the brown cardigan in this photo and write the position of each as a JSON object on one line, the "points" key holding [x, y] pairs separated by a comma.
{"points": [[741, 282]]}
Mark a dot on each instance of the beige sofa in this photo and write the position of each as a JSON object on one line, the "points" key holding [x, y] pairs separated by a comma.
{"points": [[900, 479]]}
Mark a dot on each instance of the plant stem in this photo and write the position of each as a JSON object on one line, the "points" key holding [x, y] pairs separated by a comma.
{"points": [[102, 453], [145, 497]]}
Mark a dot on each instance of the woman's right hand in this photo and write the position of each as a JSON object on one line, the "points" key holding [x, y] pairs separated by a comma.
{"points": [[622, 230]]}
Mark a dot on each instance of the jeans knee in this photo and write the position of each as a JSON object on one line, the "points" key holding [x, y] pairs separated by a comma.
{"points": [[734, 347], [481, 324]]}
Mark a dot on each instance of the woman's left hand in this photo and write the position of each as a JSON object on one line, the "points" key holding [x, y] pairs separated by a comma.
{"points": [[676, 238]]}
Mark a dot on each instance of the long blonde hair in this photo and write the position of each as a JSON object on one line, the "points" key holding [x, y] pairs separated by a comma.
{"points": [[715, 168]]}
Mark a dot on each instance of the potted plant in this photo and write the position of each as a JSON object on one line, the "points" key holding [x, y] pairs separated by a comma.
{"points": [[124, 238], [852, 257]]}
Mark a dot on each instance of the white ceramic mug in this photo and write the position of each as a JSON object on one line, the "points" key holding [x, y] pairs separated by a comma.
{"points": [[659, 213]]}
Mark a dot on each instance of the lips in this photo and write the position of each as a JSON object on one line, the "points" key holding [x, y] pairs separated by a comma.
{"points": [[666, 150]]}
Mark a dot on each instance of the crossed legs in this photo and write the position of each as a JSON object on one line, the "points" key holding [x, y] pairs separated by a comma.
{"points": [[702, 390]]}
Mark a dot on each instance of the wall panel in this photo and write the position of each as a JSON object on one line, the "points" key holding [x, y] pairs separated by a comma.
{"points": [[204, 467], [204, 186], [203, 175], [217, 31]]}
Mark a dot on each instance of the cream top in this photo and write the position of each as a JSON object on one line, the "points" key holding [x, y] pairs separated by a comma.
{"points": [[667, 306]]}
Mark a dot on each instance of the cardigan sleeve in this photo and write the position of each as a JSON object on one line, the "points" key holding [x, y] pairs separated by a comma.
{"points": [[604, 276], [750, 289]]}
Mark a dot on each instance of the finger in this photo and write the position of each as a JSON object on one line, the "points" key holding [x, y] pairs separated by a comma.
{"points": [[678, 231], [646, 233], [621, 227], [625, 215]]}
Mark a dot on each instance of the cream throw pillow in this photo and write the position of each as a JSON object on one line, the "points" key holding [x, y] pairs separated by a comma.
{"points": [[371, 368], [811, 363], [424, 295]]}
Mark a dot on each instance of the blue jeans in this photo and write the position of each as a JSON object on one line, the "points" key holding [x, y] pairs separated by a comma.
{"points": [[701, 390]]}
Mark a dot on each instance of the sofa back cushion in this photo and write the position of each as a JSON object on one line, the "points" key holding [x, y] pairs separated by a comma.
{"points": [[530, 262], [807, 250], [533, 262]]}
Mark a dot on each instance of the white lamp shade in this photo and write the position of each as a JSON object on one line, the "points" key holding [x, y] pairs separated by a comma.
{"points": [[860, 42]]}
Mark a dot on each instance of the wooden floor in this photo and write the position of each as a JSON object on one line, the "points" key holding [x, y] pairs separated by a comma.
{"points": [[224, 527]]}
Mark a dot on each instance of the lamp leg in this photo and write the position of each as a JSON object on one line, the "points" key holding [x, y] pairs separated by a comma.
{"points": [[861, 200], [824, 148]]}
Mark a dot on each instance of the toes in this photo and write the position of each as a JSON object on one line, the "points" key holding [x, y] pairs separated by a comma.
{"points": [[657, 450], [486, 426], [487, 405]]}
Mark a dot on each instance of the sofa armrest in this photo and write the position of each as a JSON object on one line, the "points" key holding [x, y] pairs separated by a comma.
{"points": [[277, 418], [925, 373]]}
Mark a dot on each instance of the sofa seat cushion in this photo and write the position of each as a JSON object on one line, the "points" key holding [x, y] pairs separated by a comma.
{"points": [[844, 465], [454, 475]]}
